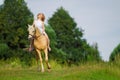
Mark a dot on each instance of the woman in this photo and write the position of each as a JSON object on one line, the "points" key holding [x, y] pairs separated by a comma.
{"points": [[39, 23]]}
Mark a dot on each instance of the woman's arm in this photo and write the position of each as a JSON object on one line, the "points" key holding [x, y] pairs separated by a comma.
{"points": [[43, 26]]}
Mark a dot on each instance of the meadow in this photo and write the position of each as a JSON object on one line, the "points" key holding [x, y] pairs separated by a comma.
{"points": [[85, 71]]}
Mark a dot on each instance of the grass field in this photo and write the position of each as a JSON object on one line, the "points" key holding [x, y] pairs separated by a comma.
{"points": [[87, 71]]}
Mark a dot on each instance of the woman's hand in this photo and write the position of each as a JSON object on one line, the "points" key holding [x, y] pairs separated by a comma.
{"points": [[43, 32]]}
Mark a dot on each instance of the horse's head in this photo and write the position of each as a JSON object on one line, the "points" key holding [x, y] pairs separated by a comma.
{"points": [[31, 31]]}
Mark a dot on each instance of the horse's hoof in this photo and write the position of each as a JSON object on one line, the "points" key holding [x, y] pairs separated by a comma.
{"points": [[49, 70], [42, 71], [49, 67]]}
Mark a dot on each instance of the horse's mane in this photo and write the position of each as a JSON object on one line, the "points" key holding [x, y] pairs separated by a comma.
{"points": [[37, 30]]}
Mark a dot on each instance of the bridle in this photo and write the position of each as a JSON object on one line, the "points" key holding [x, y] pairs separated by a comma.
{"points": [[33, 36]]}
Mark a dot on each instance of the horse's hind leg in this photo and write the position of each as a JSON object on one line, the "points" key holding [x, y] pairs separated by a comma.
{"points": [[46, 58], [40, 57]]}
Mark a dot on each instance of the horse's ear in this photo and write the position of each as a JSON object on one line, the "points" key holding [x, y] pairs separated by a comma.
{"points": [[28, 25]]}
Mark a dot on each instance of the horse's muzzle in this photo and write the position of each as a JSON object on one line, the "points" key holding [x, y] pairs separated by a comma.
{"points": [[30, 37]]}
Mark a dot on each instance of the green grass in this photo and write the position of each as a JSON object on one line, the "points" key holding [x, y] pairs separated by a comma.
{"points": [[88, 71]]}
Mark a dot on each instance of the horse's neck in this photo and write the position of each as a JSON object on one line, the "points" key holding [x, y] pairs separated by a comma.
{"points": [[37, 32]]}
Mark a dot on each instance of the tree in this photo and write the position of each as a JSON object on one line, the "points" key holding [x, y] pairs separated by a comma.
{"points": [[14, 17], [115, 53], [69, 36], [93, 53], [65, 28], [53, 43], [115, 56]]}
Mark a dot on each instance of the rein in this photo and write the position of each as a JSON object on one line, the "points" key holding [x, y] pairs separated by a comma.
{"points": [[35, 37]]}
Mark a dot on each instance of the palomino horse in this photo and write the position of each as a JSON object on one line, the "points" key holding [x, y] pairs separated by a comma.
{"points": [[40, 44]]}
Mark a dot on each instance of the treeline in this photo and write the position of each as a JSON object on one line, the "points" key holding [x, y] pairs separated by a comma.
{"points": [[115, 55], [69, 38], [66, 38]]}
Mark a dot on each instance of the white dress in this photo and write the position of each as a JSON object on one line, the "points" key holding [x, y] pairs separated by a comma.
{"points": [[38, 23]]}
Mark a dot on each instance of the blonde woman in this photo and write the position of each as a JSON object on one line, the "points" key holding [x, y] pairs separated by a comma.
{"points": [[39, 23]]}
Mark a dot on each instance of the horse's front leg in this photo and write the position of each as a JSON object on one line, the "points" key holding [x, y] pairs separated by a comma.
{"points": [[37, 61], [41, 60], [46, 58]]}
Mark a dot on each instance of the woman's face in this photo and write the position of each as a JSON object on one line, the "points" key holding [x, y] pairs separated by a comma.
{"points": [[39, 16]]}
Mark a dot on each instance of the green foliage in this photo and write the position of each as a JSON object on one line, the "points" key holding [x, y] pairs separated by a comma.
{"points": [[14, 17], [52, 35], [56, 54], [25, 57], [93, 53], [117, 60], [3, 51], [69, 38], [115, 52], [65, 28]]}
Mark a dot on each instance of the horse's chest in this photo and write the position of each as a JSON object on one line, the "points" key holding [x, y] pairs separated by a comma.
{"points": [[39, 44]]}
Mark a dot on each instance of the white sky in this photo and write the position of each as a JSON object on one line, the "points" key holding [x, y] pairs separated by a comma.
{"points": [[99, 18]]}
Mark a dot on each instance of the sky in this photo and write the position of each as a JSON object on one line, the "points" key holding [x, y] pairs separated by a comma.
{"points": [[99, 18]]}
